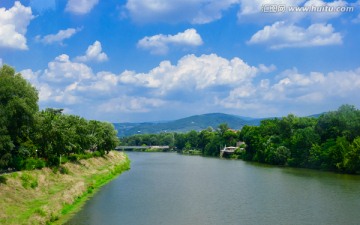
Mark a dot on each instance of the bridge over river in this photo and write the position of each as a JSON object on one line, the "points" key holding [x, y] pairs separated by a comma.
{"points": [[163, 147]]}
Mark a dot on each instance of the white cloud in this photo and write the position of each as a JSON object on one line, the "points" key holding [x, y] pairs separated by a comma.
{"points": [[59, 36], [62, 70], [159, 44], [45, 91], [283, 35], [191, 73], [131, 104], [323, 16], [206, 11], [255, 11], [80, 7], [305, 93], [58, 82], [175, 11], [93, 53], [196, 84], [250, 7], [13, 26]]}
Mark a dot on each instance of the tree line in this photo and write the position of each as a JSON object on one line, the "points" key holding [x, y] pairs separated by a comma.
{"points": [[207, 142], [30, 138], [329, 142]]}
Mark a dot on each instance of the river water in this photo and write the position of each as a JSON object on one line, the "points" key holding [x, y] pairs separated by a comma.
{"points": [[172, 189]]}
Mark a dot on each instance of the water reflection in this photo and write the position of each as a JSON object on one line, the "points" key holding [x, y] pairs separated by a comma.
{"points": [[175, 189]]}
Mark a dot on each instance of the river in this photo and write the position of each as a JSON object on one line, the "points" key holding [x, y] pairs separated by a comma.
{"points": [[173, 189]]}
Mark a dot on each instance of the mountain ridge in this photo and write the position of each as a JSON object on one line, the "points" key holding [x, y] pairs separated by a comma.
{"points": [[195, 122]]}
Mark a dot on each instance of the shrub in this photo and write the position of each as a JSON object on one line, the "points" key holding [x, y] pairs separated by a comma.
{"points": [[55, 169], [97, 154], [73, 157], [64, 159], [3, 180], [29, 181], [31, 164], [64, 170], [53, 161]]}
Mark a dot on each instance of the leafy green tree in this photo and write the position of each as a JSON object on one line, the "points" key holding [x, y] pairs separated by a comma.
{"points": [[343, 122], [352, 157], [337, 152], [278, 156], [315, 156], [301, 142], [213, 147], [18, 104], [205, 137], [230, 138], [193, 139], [103, 136], [180, 141], [251, 136], [223, 128]]}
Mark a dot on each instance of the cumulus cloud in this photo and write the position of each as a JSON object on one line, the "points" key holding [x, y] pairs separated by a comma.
{"points": [[255, 11], [93, 53], [159, 44], [283, 35], [13, 26], [206, 11], [194, 73], [63, 70], [323, 16], [44, 90], [80, 7], [59, 36], [196, 12], [305, 93], [131, 104], [57, 83], [198, 84]]}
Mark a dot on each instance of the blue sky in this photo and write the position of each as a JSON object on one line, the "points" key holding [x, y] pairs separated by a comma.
{"points": [[153, 60]]}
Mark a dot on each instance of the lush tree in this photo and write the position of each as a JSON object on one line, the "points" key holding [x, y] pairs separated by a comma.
{"points": [[343, 122], [18, 104], [301, 142], [193, 139], [278, 155], [352, 157], [26, 135]]}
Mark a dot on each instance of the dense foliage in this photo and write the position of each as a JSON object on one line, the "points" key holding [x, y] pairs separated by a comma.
{"points": [[30, 138], [208, 142], [330, 142]]}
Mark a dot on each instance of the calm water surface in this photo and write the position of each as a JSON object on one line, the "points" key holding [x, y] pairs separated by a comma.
{"points": [[172, 189]]}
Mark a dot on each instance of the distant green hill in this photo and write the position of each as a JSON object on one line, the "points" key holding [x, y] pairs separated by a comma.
{"points": [[198, 123]]}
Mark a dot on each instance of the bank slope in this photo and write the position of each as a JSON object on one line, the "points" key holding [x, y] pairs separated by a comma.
{"points": [[45, 196]]}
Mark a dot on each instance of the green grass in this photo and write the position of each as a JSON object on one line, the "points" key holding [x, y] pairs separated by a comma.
{"points": [[38, 197], [28, 181], [95, 182]]}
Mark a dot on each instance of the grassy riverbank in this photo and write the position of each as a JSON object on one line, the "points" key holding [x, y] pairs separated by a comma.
{"points": [[48, 196]]}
